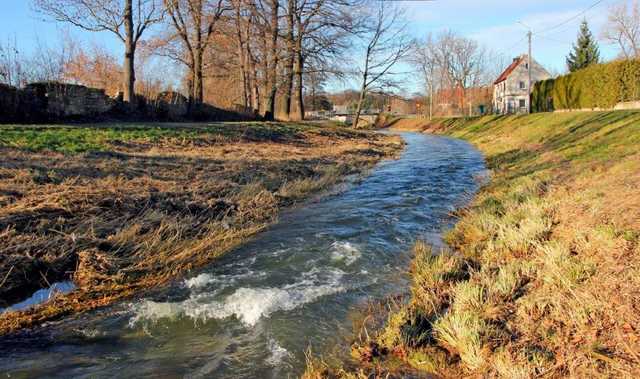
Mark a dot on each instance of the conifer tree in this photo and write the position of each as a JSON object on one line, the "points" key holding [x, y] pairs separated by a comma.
{"points": [[585, 50]]}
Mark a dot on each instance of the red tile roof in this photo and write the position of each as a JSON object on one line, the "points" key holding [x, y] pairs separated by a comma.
{"points": [[516, 62]]}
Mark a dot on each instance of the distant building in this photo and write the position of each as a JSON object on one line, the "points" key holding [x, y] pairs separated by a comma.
{"points": [[510, 90], [458, 102]]}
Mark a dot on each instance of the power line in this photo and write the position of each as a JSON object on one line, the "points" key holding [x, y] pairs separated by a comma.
{"points": [[508, 50], [554, 40], [547, 30]]}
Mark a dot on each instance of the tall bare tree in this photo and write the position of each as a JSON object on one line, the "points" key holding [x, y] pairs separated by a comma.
{"points": [[385, 44], [194, 22], [426, 60], [323, 30], [266, 16], [466, 63], [455, 63], [623, 28], [127, 19]]}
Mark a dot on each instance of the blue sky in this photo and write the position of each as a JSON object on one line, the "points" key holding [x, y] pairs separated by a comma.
{"points": [[494, 23], [497, 24]]}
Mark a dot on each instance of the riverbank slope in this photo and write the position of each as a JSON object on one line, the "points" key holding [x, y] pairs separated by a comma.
{"points": [[544, 277], [121, 208]]}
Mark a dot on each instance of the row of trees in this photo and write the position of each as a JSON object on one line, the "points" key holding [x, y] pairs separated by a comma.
{"points": [[269, 48], [448, 61]]}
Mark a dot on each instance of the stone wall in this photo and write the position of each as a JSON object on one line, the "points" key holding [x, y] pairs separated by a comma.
{"points": [[8, 102], [50, 101], [70, 100], [58, 102]]}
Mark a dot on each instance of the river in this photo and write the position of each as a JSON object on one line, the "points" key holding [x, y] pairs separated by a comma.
{"points": [[252, 313]]}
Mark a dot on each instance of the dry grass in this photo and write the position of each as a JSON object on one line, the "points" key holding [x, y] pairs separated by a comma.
{"points": [[544, 280], [122, 210]]}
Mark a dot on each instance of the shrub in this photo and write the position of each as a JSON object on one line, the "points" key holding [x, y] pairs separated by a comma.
{"points": [[597, 86], [542, 96]]}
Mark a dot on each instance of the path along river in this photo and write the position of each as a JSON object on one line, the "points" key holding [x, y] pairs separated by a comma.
{"points": [[252, 313]]}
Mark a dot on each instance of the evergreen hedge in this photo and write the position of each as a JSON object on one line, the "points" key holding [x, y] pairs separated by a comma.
{"points": [[597, 86]]}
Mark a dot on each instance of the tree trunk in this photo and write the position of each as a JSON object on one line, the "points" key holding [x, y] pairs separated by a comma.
{"points": [[314, 103], [272, 66], [298, 108], [262, 74], [198, 91], [242, 58], [129, 56], [298, 68], [363, 90], [244, 77], [253, 82], [288, 87]]}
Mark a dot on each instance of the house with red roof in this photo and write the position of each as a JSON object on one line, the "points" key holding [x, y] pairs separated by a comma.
{"points": [[510, 90]]}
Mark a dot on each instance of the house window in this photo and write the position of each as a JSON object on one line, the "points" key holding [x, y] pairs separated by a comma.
{"points": [[523, 103], [523, 85]]}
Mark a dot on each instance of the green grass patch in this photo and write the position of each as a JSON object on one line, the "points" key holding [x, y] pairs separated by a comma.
{"points": [[101, 137]]}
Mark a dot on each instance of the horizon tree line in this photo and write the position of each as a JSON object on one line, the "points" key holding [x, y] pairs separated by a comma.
{"points": [[271, 48], [261, 55]]}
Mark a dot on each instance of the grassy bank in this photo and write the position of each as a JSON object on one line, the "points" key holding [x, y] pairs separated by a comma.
{"points": [[544, 276], [122, 208]]}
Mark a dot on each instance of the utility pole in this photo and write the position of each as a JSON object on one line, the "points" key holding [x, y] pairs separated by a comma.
{"points": [[431, 94], [529, 71]]}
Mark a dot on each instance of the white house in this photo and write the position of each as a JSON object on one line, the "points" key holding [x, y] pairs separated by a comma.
{"points": [[510, 92]]}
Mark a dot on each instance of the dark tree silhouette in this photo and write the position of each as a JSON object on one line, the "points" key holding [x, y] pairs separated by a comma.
{"points": [[585, 50]]}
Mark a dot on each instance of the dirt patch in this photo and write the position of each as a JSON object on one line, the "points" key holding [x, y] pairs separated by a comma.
{"points": [[140, 211]]}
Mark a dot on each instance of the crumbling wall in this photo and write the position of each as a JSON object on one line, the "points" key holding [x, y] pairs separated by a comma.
{"points": [[8, 102], [171, 105], [56, 102], [69, 100]]}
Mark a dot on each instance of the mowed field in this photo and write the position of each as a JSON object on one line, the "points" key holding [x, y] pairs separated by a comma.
{"points": [[125, 207], [543, 276]]}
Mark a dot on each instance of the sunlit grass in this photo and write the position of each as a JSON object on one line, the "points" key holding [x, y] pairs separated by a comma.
{"points": [[545, 269]]}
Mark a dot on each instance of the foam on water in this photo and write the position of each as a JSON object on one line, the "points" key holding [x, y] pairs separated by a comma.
{"points": [[221, 280], [345, 252], [199, 281], [277, 353], [246, 304]]}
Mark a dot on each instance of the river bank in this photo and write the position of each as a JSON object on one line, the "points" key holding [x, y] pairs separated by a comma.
{"points": [[544, 279], [254, 311], [118, 209]]}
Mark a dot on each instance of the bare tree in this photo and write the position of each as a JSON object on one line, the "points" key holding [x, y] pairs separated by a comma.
{"points": [[466, 63], [14, 66], [45, 63], [455, 63], [194, 22], [323, 30], [267, 21], [385, 44], [623, 28], [121, 17], [426, 60]]}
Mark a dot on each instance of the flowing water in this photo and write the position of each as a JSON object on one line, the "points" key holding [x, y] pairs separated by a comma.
{"points": [[252, 313]]}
